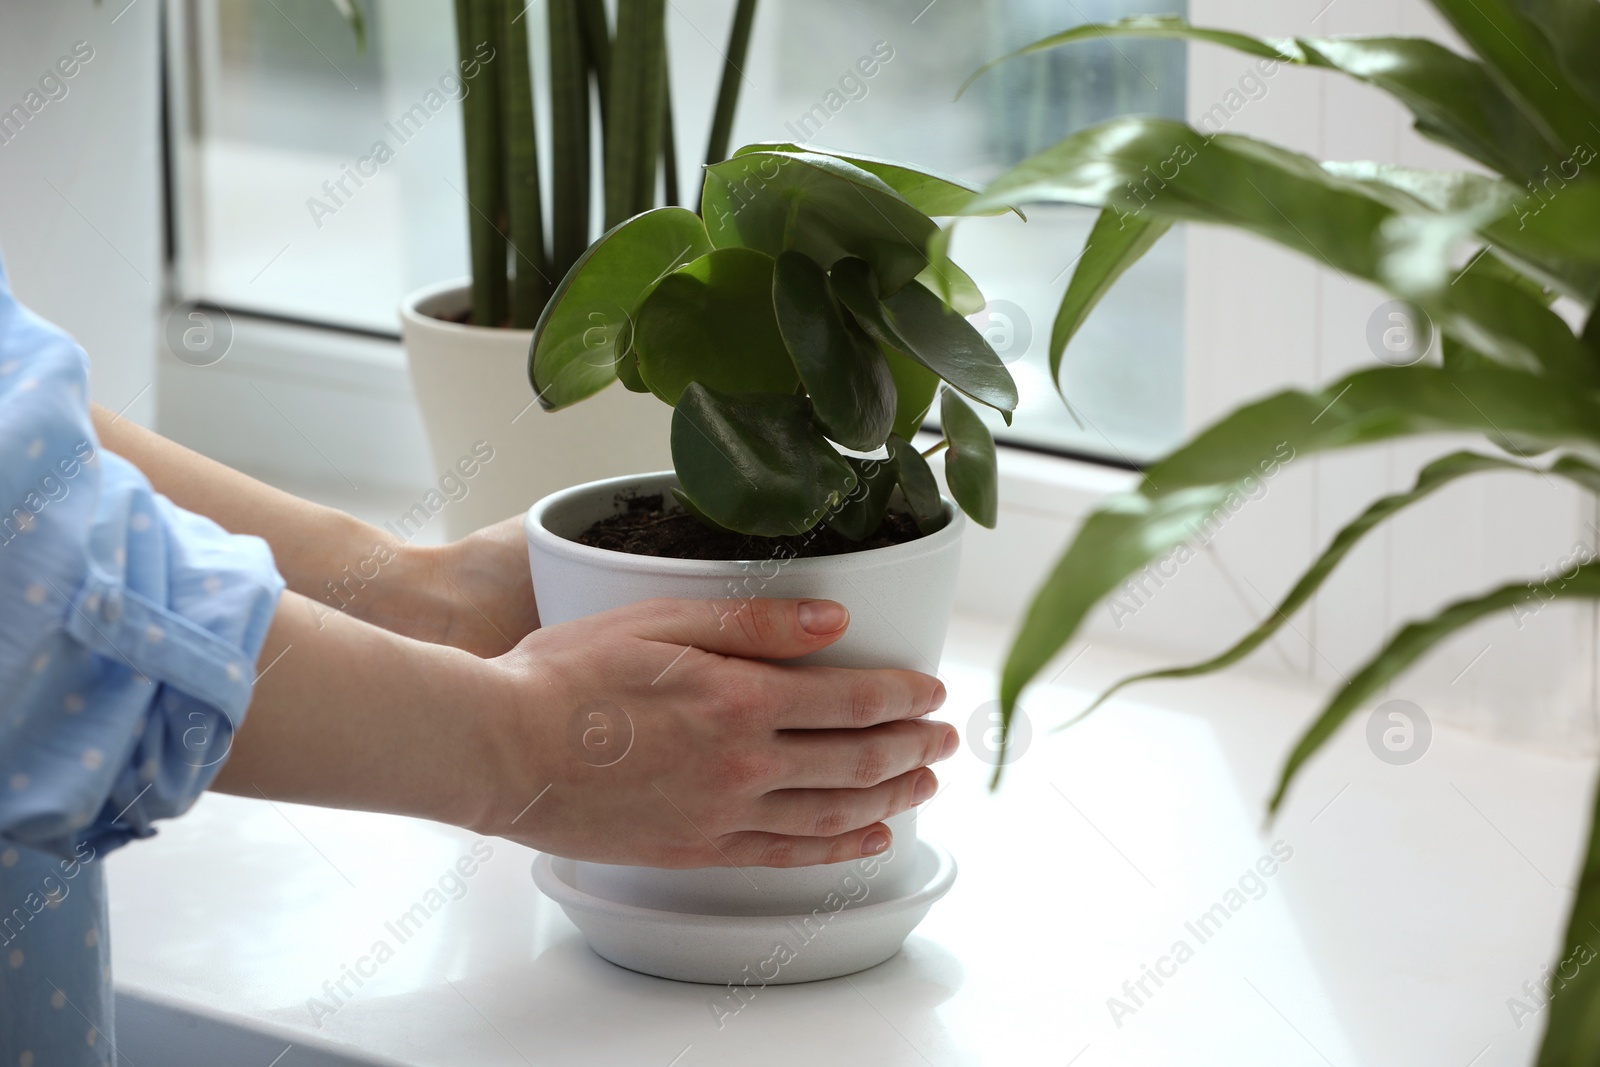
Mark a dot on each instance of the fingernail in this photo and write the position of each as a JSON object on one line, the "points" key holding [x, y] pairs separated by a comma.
{"points": [[822, 616], [948, 749], [939, 694], [874, 843], [926, 786]]}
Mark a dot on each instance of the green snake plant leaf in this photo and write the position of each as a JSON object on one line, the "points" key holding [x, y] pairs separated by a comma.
{"points": [[917, 323], [712, 321], [1454, 99], [825, 207], [843, 370], [1134, 166], [915, 386], [1413, 641], [1430, 479], [866, 501], [1115, 243], [530, 284], [756, 462], [1181, 494], [744, 17], [569, 134], [478, 29], [584, 332], [970, 466], [928, 191], [635, 112], [917, 484]]}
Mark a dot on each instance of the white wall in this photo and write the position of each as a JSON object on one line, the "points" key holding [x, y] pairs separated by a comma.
{"points": [[80, 184]]}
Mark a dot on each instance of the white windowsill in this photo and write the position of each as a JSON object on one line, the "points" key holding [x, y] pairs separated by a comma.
{"points": [[1086, 866]]}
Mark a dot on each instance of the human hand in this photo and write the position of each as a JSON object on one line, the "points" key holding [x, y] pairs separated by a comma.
{"points": [[484, 582], [729, 761]]}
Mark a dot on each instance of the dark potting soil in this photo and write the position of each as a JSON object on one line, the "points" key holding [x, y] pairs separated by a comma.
{"points": [[650, 527]]}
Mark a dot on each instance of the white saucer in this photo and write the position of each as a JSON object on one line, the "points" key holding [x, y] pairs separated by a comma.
{"points": [[753, 950]]}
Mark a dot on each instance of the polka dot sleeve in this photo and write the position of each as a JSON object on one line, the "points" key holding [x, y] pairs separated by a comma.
{"points": [[129, 628]]}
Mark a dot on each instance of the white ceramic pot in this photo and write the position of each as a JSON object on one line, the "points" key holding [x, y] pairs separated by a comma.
{"points": [[899, 600], [472, 386]]}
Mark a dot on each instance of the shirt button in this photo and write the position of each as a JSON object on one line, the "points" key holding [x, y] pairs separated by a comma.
{"points": [[111, 611]]}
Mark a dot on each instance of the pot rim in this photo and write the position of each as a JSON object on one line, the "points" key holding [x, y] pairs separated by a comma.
{"points": [[413, 318], [549, 541]]}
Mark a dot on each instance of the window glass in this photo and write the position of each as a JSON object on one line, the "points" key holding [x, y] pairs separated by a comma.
{"points": [[322, 183]]}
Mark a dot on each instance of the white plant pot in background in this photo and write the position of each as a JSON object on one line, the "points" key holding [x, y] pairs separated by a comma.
{"points": [[899, 598], [472, 385]]}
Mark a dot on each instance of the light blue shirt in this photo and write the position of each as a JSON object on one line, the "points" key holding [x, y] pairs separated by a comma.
{"points": [[129, 631]]}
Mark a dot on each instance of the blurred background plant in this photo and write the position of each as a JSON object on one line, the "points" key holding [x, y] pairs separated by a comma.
{"points": [[1504, 265], [619, 73]]}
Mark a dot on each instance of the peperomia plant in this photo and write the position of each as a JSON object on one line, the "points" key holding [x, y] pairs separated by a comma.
{"points": [[795, 328]]}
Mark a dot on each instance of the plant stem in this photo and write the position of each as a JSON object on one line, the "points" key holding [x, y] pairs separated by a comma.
{"points": [[934, 450], [570, 59], [478, 44], [744, 17], [597, 50], [530, 285]]}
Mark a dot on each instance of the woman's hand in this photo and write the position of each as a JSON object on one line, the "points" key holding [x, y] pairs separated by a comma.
{"points": [[718, 759], [482, 582], [653, 735]]}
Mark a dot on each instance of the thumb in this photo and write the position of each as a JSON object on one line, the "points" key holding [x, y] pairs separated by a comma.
{"points": [[754, 628]]}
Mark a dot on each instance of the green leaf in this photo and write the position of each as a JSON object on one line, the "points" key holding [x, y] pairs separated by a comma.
{"points": [[1115, 243], [954, 285], [1137, 166], [926, 190], [569, 134], [575, 351], [914, 389], [712, 321], [842, 369], [744, 17], [917, 484], [635, 111], [478, 28], [1433, 477], [916, 322], [1416, 639], [755, 462], [1454, 99], [358, 21], [970, 467], [701, 517], [1522, 62], [824, 207], [866, 499], [1572, 1036], [1182, 493]]}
